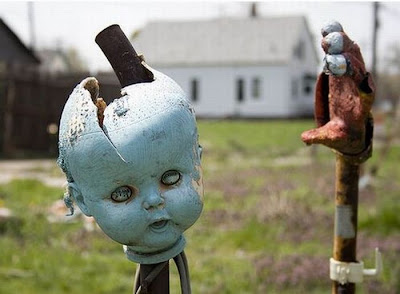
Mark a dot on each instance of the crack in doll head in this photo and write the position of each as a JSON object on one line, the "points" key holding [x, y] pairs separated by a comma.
{"points": [[135, 167]]}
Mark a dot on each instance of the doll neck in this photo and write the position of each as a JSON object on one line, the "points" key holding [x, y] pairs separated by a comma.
{"points": [[153, 258]]}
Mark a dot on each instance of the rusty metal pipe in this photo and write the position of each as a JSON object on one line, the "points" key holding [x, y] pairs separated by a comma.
{"points": [[160, 284], [343, 99], [127, 65], [345, 232]]}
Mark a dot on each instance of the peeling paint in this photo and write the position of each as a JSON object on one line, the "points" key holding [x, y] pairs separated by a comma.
{"points": [[120, 108], [334, 43], [342, 122], [149, 130], [330, 27], [336, 64]]}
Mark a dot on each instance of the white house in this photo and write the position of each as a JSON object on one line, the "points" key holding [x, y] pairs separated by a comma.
{"points": [[253, 67]]}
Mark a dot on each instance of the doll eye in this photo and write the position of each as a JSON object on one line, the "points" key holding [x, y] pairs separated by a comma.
{"points": [[170, 177], [121, 194]]}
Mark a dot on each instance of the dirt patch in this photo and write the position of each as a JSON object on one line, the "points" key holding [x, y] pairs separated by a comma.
{"points": [[44, 170]]}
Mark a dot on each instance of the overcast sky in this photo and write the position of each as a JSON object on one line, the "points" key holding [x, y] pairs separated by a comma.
{"points": [[75, 24]]}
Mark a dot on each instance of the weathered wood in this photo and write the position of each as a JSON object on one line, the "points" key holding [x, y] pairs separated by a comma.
{"points": [[30, 101], [8, 144]]}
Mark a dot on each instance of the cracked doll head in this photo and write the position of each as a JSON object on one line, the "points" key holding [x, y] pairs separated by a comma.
{"points": [[134, 165]]}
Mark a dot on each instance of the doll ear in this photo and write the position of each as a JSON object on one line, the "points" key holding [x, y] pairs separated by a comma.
{"points": [[76, 194]]}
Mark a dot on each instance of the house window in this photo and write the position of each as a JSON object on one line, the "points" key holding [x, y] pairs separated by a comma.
{"points": [[194, 90], [299, 50], [295, 88], [256, 88], [307, 88], [308, 82], [240, 90]]}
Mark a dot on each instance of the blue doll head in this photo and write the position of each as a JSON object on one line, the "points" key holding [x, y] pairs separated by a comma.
{"points": [[137, 172]]}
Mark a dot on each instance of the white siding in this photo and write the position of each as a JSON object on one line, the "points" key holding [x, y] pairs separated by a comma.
{"points": [[217, 90], [274, 92], [214, 94], [303, 103]]}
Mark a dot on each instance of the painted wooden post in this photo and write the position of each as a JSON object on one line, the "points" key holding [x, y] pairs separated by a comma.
{"points": [[134, 165], [344, 97]]}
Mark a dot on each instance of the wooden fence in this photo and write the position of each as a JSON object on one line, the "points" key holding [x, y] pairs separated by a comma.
{"points": [[30, 109]]}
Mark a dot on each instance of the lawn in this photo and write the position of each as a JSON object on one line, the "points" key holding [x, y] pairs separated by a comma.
{"points": [[266, 227]]}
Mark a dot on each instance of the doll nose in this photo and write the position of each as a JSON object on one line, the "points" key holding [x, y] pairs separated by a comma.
{"points": [[152, 201]]}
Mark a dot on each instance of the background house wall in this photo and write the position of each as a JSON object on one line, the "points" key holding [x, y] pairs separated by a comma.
{"points": [[302, 71], [217, 93], [272, 60]]}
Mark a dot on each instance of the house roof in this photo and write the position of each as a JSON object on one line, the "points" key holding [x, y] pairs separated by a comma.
{"points": [[12, 49], [221, 41]]}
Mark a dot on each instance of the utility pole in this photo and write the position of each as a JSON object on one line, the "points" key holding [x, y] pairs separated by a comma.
{"points": [[375, 39], [254, 12], [31, 21]]}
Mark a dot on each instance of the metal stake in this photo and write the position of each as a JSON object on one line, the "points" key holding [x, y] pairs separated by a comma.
{"points": [[346, 200], [153, 279], [129, 68], [343, 104], [122, 56]]}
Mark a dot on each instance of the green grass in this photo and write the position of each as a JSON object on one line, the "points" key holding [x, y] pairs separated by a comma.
{"points": [[266, 227]]}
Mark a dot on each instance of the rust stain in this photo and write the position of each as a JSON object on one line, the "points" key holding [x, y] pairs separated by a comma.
{"points": [[343, 105]]}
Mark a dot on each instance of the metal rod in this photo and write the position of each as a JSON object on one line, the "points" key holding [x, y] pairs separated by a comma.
{"points": [[345, 125], [159, 284], [345, 233], [122, 56]]}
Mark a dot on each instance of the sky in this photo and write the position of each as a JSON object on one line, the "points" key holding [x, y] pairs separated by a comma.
{"points": [[76, 23]]}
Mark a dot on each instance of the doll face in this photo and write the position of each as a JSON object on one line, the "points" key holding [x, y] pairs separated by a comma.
{"points": [[148, 201], [138, 173]]}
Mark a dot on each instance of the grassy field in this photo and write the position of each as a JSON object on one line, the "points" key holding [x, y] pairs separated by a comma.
{"points": [[266, 227]]}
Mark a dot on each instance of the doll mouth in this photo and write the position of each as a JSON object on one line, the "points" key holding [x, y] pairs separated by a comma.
{"points": [[160, 225]]}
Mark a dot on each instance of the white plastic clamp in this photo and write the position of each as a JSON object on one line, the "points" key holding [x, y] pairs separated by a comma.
{"points": [[353, 272]]}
